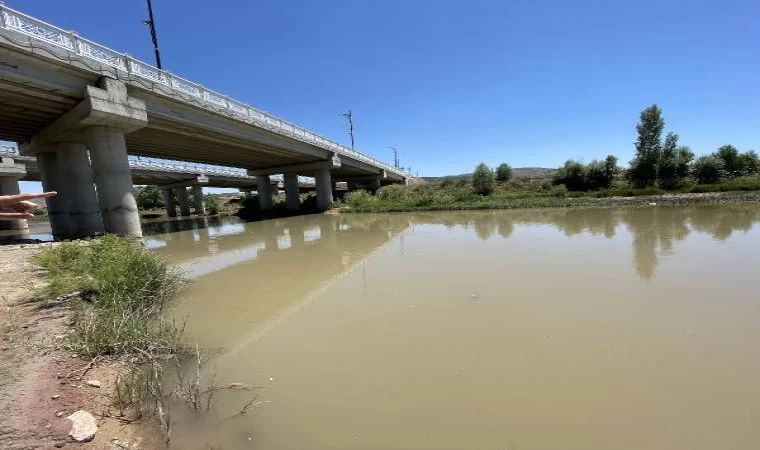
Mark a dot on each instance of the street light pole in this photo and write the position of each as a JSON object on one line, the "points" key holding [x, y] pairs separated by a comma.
{"points": [[152, 24], [349, 115]]}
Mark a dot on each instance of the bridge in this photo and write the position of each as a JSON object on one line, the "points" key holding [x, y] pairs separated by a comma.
{"points": [[79, 108]]}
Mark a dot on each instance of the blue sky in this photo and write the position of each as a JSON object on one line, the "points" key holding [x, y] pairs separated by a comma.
{"points": [[529, 82]]}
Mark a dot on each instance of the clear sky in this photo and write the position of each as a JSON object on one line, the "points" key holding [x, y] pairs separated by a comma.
{"points": [[453, 83]]}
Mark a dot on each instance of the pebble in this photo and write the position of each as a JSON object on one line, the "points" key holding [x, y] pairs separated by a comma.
{"points": [[83, 426], [93, 383], [55, 397], [59, 414]]}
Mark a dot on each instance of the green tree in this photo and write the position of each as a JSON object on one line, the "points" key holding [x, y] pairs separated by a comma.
{"points": [[503, 172], [750, 163], [732, 161], [148, 197], [572, 175], [709, 169], [683, 161], [483, 179], [643, 169], [600, 174], [667, 167]]}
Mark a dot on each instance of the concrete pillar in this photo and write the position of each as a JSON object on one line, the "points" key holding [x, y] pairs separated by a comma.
{"points": [[171, 207], [373, 185], [264, 190], [200, 205], [108, 155], [9, 186], [184, 201], [323, 182], [292, 194], [61, 223], [79, 189]]}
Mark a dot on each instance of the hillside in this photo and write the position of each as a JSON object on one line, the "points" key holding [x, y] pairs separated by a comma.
{"points": [[516, 171]]}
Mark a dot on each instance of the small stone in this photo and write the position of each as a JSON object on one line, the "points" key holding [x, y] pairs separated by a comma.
{"points": [[83, 426], [240, 387], [56, 397], [93, 383], [59, 414], [60, 444]]}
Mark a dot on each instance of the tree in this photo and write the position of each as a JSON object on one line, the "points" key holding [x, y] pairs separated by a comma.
{"points": [[750, 163], [683, 161], [503, 172], [709, 169], [600, 174], [482, 179], [148, 197], [643, 169], [572, 175], [732, 162], [667, 167]]}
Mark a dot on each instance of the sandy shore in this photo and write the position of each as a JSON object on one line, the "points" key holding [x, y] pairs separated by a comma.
{"points": [[40, 382]]}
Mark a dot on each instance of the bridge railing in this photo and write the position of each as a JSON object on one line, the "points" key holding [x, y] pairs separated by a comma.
{"points": [[16, 21]]}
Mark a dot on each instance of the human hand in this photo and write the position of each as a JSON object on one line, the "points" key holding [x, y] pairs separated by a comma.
{"points": [[13, 207]]}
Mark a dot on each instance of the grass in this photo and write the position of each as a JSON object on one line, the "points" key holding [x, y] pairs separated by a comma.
{"points": [[534, 192], [124, 290]]}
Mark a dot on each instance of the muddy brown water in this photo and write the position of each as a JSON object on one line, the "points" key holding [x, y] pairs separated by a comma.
{"points": [[577, 329]]}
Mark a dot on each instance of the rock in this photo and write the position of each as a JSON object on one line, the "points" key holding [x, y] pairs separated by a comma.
{"points": [[59, 414], [83, 426], [240, 387], [94, 383], [56, 397]]}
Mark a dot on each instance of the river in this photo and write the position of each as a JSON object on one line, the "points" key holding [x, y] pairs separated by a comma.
{"points": [[575, 329]]}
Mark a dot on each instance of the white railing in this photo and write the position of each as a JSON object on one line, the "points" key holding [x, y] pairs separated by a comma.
{"points": [[16, 21]]}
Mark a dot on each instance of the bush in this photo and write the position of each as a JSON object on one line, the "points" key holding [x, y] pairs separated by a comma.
{"points": [[709, 169], [503, 172], [359, 199], [482, 180], [213, 204], [127, 286], [149, 197], [572, 175], [559, 191]]}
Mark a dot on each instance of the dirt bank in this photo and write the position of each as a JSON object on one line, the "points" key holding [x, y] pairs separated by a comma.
{"points": [[41, 383]]}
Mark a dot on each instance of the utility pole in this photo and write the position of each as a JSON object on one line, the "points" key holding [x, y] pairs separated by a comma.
{"points": [[152, 24], [395, 156], [348, 115]]}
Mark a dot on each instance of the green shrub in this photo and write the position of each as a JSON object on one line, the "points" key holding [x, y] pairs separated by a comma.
{"points": [[359, 199], [127, 288], [572, 175], [559, 191], [709, 169], [483, 179], [503, 172], [213, 204]]}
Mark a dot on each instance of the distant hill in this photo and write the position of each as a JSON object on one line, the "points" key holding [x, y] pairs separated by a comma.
{"points": [[516, 171]]}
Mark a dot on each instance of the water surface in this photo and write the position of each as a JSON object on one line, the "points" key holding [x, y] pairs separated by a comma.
{"points": [[544, 329]]}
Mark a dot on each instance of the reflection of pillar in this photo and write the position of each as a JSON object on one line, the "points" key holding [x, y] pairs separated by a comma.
{"points": [[9, 186], [292, 196], [184, 201], [296, 232], [264, 190], [60, 221], [171, 207], [108, 155], [323, 182], [82, 203], [200, 205], [269, 232], [327, 232]]}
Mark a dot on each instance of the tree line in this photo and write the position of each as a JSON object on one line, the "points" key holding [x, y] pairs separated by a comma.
{"points": [[658, 162]]}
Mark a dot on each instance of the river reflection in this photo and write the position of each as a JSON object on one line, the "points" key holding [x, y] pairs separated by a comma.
{"points": [[533, 329]]}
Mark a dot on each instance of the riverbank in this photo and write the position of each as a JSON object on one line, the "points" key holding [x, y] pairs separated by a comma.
{"points": [[367, 203], [41, 381]]}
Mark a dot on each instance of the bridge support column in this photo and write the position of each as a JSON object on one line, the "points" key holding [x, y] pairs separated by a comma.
{"points": [[9, 186], [171, 207], [200, 204], [108, 154], [184, 201], [79, 189], [52, 180], [292, 195], [264, 191], [323, 182]]}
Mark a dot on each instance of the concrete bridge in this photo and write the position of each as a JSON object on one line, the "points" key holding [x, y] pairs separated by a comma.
{"points": [[79, 108]]}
